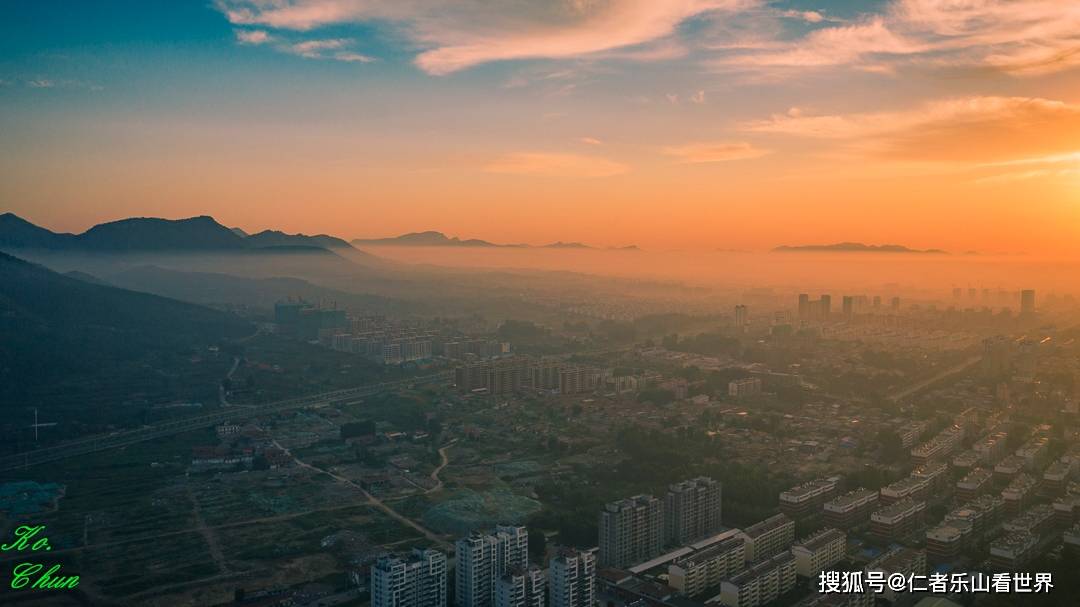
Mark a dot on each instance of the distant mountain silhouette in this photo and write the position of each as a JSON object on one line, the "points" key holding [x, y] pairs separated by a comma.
{"points": [[854, 247], [152, 234], [146, 234], [16, 232], [566, 245], [276, 238], [432, 238], [429, 238], [85, 277]]}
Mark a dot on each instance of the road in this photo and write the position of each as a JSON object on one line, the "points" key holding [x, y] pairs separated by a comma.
{"points": [[926, 383], [146, 433], [222, 398]]}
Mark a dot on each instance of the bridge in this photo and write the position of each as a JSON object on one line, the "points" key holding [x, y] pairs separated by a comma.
{"points": [[179, 426]]}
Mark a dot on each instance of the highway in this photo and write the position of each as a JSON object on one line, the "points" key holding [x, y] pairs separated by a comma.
{"points": [[130, 437]]}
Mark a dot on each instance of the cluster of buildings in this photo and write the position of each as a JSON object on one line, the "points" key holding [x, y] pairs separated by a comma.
{"points": [[675, 551], [492, 570], [238, 447], [303, 320], [528, 375], [384, 342]]}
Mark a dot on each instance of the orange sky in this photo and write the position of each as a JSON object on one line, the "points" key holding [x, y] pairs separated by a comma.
{"points": [[689, 124]]}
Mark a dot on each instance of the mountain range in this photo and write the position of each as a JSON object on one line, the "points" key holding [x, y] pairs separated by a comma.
{"points": [[433, 238], [854, 247], [204, 233], [201, 233]]}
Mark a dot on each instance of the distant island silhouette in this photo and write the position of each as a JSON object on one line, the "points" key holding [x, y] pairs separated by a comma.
{"points": [[854, 247]]}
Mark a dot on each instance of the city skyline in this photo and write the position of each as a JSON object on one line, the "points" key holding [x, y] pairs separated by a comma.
{"points": [[660, 124]]}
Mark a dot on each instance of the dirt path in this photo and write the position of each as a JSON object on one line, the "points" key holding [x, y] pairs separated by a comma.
{"points": [[445, 460], [208, 534], [372, 500]]}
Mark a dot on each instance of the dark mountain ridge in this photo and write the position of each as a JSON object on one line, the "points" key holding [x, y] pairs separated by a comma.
{"points": [[148, 234]]}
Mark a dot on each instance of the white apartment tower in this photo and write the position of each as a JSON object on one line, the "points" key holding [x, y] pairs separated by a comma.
{"points": [[418, 580], [692, 510], [572, 579], [631, 531], [483, 558]]}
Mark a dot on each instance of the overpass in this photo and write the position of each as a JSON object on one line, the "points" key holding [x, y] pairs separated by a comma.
{"points": [[179, 426]]}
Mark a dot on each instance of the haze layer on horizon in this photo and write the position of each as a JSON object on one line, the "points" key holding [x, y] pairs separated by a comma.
{"points": [[690, 124]]}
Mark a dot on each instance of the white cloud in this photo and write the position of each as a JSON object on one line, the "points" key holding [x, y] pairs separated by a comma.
{"points": [[253, 37]]}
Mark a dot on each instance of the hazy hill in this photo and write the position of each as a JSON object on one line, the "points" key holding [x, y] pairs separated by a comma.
{"points": [[219, 288], [46, 317], [93, 356], [853, 247], [432, 238], [427, 239], [276, 238]]}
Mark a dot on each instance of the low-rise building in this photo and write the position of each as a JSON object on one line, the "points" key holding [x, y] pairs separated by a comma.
{"points": [[1013, 550], [907, 562], [897, 520], [819, 551], [850, 509], [768, 537], [761, 583], [1035, 520], [974, 484], [1019, 493], [699, 571], [806, 499]]}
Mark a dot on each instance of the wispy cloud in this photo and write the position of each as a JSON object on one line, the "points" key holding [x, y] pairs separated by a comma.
{"points": [[339, 49], [555, 165], [994, 137], [463, 33], [716, 151], [1015, 36], [591, 141], [332, 48]]}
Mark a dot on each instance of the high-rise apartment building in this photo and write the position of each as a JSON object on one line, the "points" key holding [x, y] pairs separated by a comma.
{"points": [[483, 558], [631, 531], [418, 580], [692, 510], [521, 587], [572, 579], [1027, 302], [742, 315]]}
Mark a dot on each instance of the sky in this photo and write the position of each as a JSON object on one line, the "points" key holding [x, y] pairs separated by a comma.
{"points": [[670, 124]]}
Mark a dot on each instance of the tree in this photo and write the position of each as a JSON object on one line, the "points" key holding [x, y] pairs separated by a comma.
{"points": [[890, 446], [537, 545]]}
